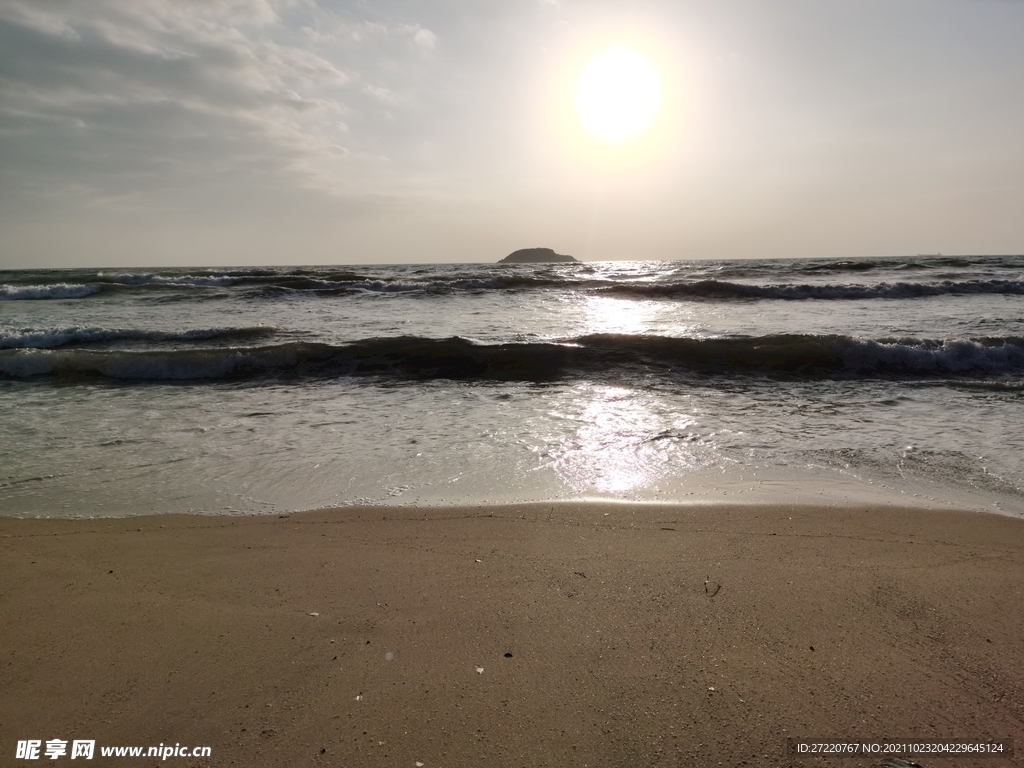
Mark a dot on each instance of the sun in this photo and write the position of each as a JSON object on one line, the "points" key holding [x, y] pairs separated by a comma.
{"points": [[617, 95]]}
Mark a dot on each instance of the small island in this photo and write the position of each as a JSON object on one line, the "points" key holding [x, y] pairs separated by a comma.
{"points": [[534, 256]]}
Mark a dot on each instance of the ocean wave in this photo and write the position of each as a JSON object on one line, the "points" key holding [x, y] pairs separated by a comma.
{"points": [[593, 356], [332, 282], [51, 291], [201, 281], [904, 263], [707, 290], [723, 290], [482, 283], [52, 338], [282, 285], [298, 280], [411, 286], [849, 265], [683, 282]]}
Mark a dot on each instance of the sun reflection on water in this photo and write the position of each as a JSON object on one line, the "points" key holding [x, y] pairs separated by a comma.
{"points": [[612, 314], [620, 445]]}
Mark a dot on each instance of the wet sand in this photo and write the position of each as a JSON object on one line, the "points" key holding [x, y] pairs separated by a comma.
{"points": [[611, 635]]}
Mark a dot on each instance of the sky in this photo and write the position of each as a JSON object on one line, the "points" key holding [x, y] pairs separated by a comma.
{"points": [[256, 132]]}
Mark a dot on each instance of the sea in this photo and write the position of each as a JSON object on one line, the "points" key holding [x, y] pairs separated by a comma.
{"points": [[250, 391]]}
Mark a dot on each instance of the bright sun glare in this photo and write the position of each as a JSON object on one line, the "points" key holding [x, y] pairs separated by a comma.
{"points": [[617, 95]]}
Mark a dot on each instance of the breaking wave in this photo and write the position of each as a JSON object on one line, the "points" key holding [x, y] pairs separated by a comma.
{"points": [[52, 291], [204, 281], [689, 281], [60, 337], [429, 287], [593, 356], [715, 289]]}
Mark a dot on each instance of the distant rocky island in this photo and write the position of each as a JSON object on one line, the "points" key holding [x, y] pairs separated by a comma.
{"points": [[534, 256]]}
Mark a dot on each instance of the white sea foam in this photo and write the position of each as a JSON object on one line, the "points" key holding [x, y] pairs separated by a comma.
{"points": [[52, 291], [952, 356], [151, 279]]}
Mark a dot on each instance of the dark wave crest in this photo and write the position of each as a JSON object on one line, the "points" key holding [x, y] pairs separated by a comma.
{"points": [[52, 338], [722, 290], [698, 290], [298, 279], [429, 287], [784, 279], [594, 356]]}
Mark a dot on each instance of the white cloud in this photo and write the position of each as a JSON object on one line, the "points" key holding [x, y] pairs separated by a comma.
{"points": [[125, 98], [105, 95], [425, 38]]}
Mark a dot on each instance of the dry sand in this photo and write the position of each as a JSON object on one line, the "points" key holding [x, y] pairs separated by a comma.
{"points": [[355, 637]]}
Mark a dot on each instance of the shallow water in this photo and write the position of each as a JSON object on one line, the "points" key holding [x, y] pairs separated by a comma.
{"points": [[269, 390]]}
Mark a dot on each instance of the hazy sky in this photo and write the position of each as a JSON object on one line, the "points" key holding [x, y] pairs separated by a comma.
{"points": [[218, 132]]}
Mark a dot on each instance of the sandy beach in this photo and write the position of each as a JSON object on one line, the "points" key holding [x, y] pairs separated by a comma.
{"points": [[586, 634]]}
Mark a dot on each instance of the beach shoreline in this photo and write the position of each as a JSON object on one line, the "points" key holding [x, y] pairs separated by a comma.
{"points": [[570, 633]]}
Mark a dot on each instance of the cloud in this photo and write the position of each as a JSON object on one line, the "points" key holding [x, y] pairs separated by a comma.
{"points": [[425, 38], [107, 98]]}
